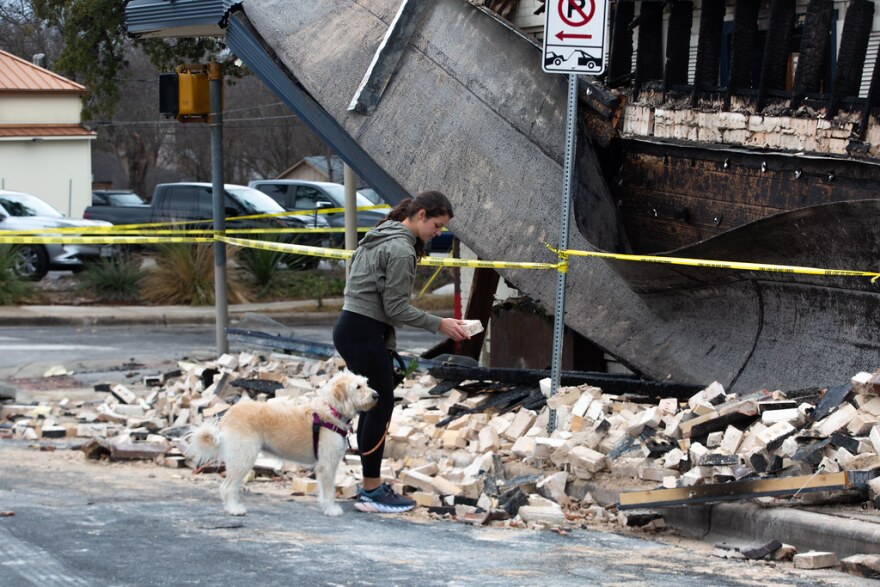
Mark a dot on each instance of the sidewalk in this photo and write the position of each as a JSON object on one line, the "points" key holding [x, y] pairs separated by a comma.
{"points": [[303, 312], [845, 530]]}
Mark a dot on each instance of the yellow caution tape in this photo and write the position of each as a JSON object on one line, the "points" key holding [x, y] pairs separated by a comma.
{"points": [[288, 248], [715, 264], [101, 240]]}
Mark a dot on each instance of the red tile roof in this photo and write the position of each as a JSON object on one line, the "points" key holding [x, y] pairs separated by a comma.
{"points": [[43, 130], [18, 75]]}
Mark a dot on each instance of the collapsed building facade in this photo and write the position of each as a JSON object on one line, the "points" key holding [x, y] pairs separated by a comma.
{"points": [[738, 130]]}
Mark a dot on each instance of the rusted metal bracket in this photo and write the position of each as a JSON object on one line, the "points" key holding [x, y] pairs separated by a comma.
{"points": [[387, 57]]}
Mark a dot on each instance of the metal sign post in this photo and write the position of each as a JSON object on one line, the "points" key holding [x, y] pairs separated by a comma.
{"points": [[575, 41], [559, 312]]}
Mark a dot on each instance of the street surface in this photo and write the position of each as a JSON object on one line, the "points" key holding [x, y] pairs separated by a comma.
{"points": [[91, 523]]}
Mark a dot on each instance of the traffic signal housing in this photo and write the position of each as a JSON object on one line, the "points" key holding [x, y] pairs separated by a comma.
{"points": [[185, 94]]}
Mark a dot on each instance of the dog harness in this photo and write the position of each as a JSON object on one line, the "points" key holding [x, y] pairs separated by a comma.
{"points": [[318, 423]]}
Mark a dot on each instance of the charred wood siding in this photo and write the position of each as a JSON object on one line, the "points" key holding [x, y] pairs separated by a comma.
{"points": [[766, 36], [672, 196]]}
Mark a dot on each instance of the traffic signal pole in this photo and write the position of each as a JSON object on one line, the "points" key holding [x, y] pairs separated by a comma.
{"points": [[215, 77]]}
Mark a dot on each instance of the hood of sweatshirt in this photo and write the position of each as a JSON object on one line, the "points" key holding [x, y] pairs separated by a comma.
{"points": [[387, 231]]}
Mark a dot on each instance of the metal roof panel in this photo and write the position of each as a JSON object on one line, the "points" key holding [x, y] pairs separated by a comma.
{"points": [[18, 75]]}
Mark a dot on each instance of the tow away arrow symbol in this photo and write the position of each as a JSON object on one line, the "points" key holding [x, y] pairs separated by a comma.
{"points": [[562, 35]]}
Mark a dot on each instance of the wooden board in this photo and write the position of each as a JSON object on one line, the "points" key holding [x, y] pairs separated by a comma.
{"points": [[733, 491]]}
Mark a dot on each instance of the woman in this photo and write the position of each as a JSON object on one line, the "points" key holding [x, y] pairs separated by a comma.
{"points": [[380, 282]]}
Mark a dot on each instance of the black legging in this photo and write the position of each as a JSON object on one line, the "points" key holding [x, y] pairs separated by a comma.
{"points": [[360, 341]]}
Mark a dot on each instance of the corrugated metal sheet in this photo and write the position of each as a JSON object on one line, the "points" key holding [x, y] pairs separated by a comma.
{"points": [[18, 75], [162, 18], [43, 130]]}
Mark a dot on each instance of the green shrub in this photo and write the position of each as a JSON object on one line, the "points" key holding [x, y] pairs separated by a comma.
{"points": [[13, 289], [184, 274], [263, 269], [115, 279]]}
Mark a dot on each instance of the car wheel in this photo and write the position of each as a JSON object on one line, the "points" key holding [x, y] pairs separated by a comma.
{"points": [[30, 262]]}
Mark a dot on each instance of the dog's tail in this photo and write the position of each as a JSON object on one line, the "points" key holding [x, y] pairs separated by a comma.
{"points": [[204, 444]]}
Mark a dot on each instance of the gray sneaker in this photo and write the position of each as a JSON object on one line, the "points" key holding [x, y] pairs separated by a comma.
{"points": [[382, 500]]}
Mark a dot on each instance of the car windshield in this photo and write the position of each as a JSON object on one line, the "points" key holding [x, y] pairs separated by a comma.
{"points": [[254, 201], [126, 199], [337, 192], [27, 205]]}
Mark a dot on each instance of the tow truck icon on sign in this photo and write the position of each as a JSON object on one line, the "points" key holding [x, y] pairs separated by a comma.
{"points": [[583, 60]]}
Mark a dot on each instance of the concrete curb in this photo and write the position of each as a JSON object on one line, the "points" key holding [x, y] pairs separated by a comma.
{"points": [[805, 530], [744, 523]]}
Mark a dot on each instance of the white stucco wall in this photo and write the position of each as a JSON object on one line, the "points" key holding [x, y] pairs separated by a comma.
{"points": [[56, 170], [34, 108]]}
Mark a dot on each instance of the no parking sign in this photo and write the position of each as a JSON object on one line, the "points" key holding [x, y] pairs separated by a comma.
{"points": [[575, 36]]}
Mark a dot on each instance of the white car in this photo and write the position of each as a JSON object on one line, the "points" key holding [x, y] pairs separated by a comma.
{"points": [[21, 211]]}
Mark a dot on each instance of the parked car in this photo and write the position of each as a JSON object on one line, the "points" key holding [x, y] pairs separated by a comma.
{"points": [[191, 201], [297, 194], [21, 211], [117, 198]]}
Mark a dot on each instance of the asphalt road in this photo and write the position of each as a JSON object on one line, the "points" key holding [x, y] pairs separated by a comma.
{"points": [[80, 522], [63, 345]]}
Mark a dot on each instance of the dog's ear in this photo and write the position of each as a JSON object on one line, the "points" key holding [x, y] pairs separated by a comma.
{"points": [[340, 388]]}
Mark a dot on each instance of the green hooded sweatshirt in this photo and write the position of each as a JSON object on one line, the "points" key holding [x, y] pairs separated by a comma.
{"points": [[381, 277]]}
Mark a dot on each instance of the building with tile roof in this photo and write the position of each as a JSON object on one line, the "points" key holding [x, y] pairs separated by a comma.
{"points": [[44, 148]]}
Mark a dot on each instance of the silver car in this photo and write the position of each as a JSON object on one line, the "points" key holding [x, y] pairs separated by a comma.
{"points": [[21, 211]]}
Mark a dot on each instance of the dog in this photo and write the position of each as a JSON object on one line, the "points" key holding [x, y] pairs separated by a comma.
{"points": [[288, 432]]}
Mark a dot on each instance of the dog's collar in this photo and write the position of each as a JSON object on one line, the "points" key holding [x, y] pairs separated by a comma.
{"points": [[339, 416], [318, 423]]}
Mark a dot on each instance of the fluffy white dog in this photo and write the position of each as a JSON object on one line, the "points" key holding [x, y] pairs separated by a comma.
{"points": [[287, 431]]}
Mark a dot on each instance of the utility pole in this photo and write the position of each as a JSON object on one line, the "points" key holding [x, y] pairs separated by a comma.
{"points": [[221, 303]]}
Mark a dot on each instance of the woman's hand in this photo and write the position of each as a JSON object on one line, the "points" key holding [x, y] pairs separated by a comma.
{"points": [[452, 328]]}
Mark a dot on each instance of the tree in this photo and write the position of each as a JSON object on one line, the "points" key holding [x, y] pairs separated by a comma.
{"points": [[94, 50], [23, 34]]}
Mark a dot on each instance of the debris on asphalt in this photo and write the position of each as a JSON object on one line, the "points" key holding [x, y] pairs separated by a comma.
{"points": [[863, 565], [478, 453], [815, 560]]}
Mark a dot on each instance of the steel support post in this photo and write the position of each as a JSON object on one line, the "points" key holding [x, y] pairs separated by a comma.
{"points": [[215, 77], [351, 235]]}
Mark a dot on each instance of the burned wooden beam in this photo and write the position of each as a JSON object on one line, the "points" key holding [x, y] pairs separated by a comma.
{"points": [[852, 52], [775, 65], [678, 39], [814, 44], [649, 59], [708, 48], [736, 490], [620, 55], [610, 383], [745, 36]]}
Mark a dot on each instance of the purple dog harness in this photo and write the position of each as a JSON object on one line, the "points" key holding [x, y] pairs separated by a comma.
{"points": [[317, 424]]}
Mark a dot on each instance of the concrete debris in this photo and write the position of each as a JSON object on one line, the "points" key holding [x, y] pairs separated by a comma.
{"points": [[815, 560], [461, 455]]}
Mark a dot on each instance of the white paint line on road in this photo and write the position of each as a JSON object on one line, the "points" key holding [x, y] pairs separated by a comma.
{"points": [[33, 564], [53, 347]]}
